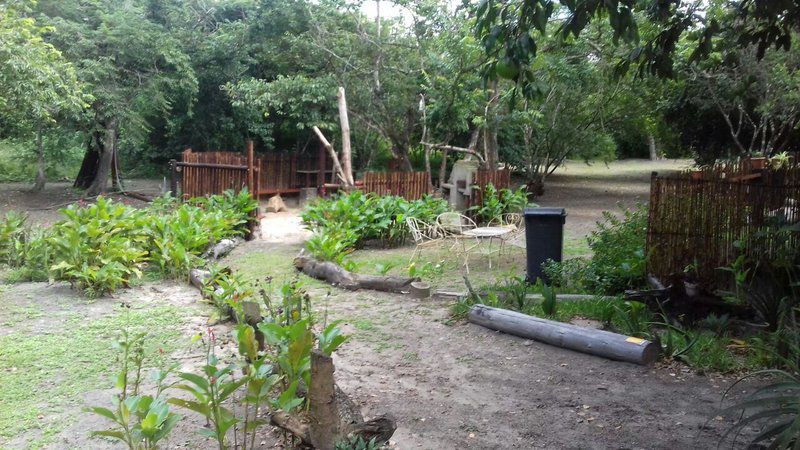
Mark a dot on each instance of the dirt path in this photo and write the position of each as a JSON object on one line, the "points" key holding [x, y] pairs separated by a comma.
{"points": [[463, 386]]}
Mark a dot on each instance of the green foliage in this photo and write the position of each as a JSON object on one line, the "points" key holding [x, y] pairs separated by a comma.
{"points": [[332, 246], [358, 443], [618, 261], [549, 303], [141, 420], [426, 270], [496, 203], [366, 217], [103, 246], [635, 319], [773, 408]]}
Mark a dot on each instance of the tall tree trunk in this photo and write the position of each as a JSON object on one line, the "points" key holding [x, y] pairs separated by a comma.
{"points": [[490, 131], [91, 158], [41, 178], [651, 144], [100, 183], [347, 157]]}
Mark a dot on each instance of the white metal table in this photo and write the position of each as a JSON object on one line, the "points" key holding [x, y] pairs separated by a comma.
{"points": [[490, 233]]}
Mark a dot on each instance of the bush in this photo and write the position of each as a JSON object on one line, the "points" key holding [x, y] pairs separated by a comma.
{"points": [[618, 246], [618, 261], [369, 216], [101, 247], [497, 203]]}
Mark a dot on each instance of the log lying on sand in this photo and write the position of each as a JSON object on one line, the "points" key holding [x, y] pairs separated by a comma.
{"points": [[337, 275], [221, 248], [586, 340], [331, 416]]}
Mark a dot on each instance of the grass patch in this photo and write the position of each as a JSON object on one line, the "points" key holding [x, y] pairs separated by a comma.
{"points": [[46, 373]]}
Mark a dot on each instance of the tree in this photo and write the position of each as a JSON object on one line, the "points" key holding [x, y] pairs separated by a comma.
{"points": [[508, 29], [37, 85], [134, 69]]}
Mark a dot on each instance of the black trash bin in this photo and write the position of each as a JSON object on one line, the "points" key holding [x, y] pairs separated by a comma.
{"points": [[544, 238]]}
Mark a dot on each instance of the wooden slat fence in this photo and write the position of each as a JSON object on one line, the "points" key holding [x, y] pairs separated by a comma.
{"points": [[696, 221], [209, 173], [409, 185], [500, 179]]}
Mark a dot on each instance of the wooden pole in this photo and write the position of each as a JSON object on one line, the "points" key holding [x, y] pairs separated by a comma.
{"points": [[337, 167], [586, 340], [347, 157], [251, 169], [173, 177], [321, 166]]}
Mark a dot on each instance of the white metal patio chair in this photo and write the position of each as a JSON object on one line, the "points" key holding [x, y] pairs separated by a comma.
{"points": [[509, 220], [424, 235], [452, 225]]}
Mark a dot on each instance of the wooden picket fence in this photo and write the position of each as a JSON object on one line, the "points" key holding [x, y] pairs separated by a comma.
{"points": [[409, 185], [696, 219]]}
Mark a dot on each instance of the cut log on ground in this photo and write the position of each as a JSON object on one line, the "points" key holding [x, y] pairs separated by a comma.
{"points": [[199, 278], [420, 290], [331, 416], [594, 342], [338, 276], [222, 248]]}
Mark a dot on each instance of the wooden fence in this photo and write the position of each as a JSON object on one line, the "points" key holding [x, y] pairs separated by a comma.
{"points": [[500, 179], [206, 173], [696, 219], [409, 185]]}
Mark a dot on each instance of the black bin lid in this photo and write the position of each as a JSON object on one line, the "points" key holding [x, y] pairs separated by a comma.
{"points": [[550, 212]]}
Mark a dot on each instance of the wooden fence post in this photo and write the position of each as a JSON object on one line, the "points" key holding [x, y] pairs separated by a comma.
{"points": [[173, 177], [251, 169]]}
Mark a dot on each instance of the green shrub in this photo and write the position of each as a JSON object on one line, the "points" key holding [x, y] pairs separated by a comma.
{"points": [[496, 203], [618, 246], [103, 246], [13, 234], [332, 246], [369, 216]]}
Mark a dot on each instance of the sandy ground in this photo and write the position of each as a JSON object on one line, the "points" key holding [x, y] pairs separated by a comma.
{"points": [[450, 386]]}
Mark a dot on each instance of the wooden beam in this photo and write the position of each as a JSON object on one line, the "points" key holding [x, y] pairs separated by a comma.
{"points": [[347, 157], [337, 166], [455, 149]]}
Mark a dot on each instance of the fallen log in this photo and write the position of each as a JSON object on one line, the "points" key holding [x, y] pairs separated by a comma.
{"points": [[331, 416], [221, 248], [338, 276], [594, 342]]}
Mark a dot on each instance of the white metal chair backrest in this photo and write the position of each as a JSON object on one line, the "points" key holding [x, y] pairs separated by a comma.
{"points": [[454, 223], [421, 231]]}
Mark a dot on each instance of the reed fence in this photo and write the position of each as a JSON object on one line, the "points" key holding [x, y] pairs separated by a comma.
{"points": [[697, 219]]}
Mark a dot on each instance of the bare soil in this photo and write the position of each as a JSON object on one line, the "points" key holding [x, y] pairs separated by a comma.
{"points": [[449, 385]]}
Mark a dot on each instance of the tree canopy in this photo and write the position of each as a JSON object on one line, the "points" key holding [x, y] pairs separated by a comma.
{"points": [[529, 83]]}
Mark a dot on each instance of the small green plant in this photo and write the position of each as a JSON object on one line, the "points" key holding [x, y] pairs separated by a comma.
{"points": [[331, 246], [719, 325], [549, 303], [210, 392], [618, 246], [497, 202], [141, 420], [775, 408], [358, 443], [634, 318], [427, 270]]}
